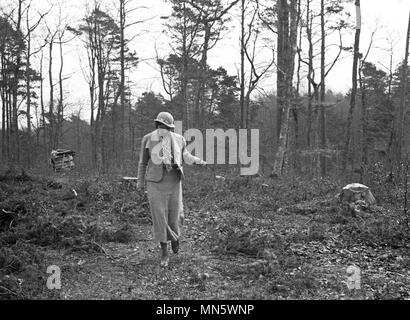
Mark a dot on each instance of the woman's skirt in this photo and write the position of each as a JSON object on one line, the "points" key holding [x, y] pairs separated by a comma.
{"points": [[165, 200]]}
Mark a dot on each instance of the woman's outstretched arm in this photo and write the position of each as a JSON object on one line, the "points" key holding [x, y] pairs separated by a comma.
{"points": [[188, 157]]}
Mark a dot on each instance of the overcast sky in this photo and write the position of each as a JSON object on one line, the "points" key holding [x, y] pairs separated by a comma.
{"points": [[390, 15]]}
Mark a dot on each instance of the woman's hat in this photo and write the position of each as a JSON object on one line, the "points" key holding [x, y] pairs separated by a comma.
{"points": [[166, 119]]}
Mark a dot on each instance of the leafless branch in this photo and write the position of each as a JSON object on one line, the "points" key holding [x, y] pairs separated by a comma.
{"points": [[216, 16]]}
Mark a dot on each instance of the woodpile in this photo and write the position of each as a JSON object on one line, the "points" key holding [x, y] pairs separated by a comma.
{"points": [[62, 159]]}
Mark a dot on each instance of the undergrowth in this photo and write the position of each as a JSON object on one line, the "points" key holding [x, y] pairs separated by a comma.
{"points": [[251, 217]]}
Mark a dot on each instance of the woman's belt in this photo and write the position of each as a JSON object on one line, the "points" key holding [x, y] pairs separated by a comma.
{"points": [[173, 166]]}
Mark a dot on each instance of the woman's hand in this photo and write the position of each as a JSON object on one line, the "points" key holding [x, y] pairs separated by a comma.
{"points": [[202, 163]]}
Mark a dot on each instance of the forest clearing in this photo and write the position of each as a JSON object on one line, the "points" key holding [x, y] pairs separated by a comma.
{"points": [[284, 239]]}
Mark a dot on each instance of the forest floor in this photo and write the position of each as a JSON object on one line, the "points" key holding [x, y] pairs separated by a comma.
{"points": [[243, 238]]}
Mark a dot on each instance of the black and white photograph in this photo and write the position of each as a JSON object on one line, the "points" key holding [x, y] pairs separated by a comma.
{"points": [[221, 152]]}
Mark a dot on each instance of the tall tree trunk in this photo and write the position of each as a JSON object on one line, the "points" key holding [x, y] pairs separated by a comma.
{"points": [[310, 73], [43, 111], [295, 107], [348, 155], [51, 102], [15, 140], [390, 157], [131, 127], [287, 40], [242, 75], [78, 137], [122, 80], [184, 91], [283, 34], [101, 105], [60, 111], [322, 126], [10, 124], [403, 95], [365, 120], [92, 88], [28, 98], [8, 120], [92, 115], [198, 108], [3, 127], [3, 109]]}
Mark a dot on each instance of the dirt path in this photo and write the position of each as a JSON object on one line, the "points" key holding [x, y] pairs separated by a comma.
{"points": [[309, 270], [241, 240]]}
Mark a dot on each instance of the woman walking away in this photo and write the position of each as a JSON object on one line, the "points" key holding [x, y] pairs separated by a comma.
{"points": [[160, 166]]}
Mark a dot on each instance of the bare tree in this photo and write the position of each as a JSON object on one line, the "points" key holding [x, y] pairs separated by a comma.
{"points": [[28, 75], [101, 35], [365, 111], [242, 72], [356, 55], [317, 106], [249, 49], [401, 114], [185, 31], [50, 41], [28, 54], [14, 134], [322, 122], [126, 62], [390, 70], [42, 106], [310, 75], [287, 43], [210, 16], [61, 40]]}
